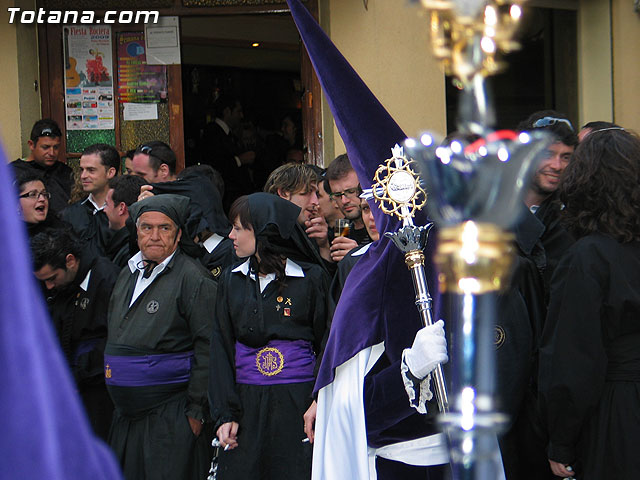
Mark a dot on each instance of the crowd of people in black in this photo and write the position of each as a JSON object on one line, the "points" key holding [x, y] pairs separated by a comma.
{"points": [[190, 306]]}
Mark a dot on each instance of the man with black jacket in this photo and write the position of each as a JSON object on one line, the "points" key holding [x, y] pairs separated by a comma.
{"points": [[44, 145], [79, 286], [99, 163]]}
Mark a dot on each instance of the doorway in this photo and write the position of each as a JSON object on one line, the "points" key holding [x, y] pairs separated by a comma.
{"points": [[256, 59]]}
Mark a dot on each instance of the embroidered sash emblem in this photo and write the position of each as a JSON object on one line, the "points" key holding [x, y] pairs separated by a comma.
{"points": [[269, 361]]}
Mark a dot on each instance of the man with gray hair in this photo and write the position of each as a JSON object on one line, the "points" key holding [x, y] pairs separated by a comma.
{"points": [[157, 353]]}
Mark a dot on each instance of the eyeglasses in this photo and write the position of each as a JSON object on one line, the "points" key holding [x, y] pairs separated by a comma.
{"points": [[34, 195], [349, 192], [549, 121]]}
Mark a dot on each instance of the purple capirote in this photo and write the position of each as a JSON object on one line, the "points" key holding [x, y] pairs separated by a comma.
{"points": [[377, 302], [44, 431]]}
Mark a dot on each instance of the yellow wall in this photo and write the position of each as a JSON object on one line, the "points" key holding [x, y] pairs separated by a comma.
{"points": [[10, 111], [19, 66], [388, 46], [626, 65], [594, 61]]}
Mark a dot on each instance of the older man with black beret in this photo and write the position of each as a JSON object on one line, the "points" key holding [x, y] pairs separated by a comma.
{"points": [[157, 354]]}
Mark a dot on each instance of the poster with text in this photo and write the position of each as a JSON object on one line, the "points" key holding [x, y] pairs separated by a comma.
{"points": [[137, 81], [88, 81]]}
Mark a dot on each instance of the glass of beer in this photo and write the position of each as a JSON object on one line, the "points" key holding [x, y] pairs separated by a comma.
{"points": [[342, 227]]}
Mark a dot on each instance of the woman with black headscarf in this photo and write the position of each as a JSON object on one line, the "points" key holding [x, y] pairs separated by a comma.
{"points": [[270, 321], [590, 354]]}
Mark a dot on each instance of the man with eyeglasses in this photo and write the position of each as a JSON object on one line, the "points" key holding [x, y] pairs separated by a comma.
{"points": [[345, 191], [44, 146]]}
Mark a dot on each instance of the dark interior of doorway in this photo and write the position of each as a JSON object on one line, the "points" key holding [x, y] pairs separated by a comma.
{"points": [[255, 59], [542, 75], [266, 96]]}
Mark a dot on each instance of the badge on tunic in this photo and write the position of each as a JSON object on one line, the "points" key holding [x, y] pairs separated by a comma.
{"points": [[153, 306], [288, 302], [107, 371], [216, 271], [279, 299], [500, 337], [269, 361], [84, 303], [287, 312], [277, 308]]}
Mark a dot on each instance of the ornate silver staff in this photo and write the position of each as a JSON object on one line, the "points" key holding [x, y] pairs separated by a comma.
{"points": [[398, 191], [475, 193]]}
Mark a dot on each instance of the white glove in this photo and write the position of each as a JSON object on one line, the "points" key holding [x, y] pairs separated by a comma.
{"points": [[428, 350]]}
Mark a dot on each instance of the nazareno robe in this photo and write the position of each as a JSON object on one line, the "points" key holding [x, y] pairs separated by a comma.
{"points": [[269, 414], [150, 433], [590, 359]]}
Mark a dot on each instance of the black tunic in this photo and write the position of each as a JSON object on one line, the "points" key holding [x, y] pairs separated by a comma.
{"points": [[91, 225], [79, 315], [590, 359], [150, 434], [218, 258], [270, 417]]}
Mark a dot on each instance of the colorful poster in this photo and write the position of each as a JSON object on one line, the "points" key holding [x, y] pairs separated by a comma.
{"points": [[137, 81], [88, 79]]}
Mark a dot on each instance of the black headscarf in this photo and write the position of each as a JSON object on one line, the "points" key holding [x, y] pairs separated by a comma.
{"points": [[176, 207], [275, 222]]}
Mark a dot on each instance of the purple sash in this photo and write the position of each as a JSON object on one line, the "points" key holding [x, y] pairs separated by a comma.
{"points": [[278, 362], [145, 370]]}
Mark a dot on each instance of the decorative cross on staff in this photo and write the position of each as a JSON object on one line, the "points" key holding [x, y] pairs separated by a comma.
{"points": [[397, 190]]}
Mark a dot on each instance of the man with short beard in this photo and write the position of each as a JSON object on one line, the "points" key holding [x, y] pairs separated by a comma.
{"points": [[345, 191], [540, 197]]}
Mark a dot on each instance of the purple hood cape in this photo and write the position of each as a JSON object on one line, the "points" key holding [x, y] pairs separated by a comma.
{"points": [[377, 303], [44, 432]]}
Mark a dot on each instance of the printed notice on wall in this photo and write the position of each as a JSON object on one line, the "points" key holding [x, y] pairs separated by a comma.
{"points": [[163, 41], [88, 82], [140, 111]]}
